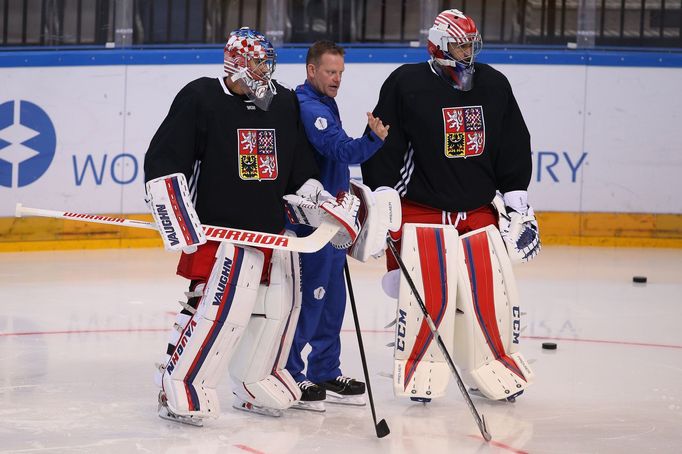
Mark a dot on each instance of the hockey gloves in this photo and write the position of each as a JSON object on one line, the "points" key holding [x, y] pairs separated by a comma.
{"points": [[312, 205], [518, 226], [344, 211], [176, 219], [380, 213]]}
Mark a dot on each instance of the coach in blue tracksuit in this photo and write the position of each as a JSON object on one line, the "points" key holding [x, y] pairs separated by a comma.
{"points": [[323, 286]]}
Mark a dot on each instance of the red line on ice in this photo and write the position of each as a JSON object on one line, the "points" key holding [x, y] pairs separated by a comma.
{"points": [[85, 331], [249, 449], [368, 331], [501, 445]]}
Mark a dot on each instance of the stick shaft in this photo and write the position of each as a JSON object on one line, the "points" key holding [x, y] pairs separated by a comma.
{"points": [[26, 211], [480, 422], [351, 296], [311, 243]]}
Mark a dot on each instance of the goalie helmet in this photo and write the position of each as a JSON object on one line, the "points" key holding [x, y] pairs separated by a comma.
{"points": [[453, 44], [250, 61]]}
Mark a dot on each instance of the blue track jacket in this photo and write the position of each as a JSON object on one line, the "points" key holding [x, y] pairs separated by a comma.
{"points": [[322, 283], [335, 150]]}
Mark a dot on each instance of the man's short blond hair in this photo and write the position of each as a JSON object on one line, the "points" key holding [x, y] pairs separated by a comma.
{"points": [[320, 48]]}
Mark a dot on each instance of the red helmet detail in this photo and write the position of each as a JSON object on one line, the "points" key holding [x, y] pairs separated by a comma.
{"points": [[453, 26]]}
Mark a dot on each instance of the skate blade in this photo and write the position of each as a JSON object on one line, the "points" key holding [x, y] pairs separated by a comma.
{"points": [[316, 406], [189, 420], [250, 408], [357, 401], [510, 399]]}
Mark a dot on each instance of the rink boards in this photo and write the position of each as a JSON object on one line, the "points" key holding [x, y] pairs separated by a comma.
{"points": [[74, 127]]}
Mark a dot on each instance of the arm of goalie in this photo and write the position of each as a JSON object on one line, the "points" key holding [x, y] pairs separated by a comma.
{"points": [[518, 227], [311, 205], [380, 212], [171, 206]]}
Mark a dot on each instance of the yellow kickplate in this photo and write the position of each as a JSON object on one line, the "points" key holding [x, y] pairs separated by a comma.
{"points": [[556, 228]]}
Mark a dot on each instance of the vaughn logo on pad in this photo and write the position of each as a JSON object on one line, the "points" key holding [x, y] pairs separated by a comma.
{"points": [[167, 225]]}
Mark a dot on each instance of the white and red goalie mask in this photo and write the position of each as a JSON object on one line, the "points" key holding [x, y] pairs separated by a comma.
{"points": [[453, 44], [250, 61]]}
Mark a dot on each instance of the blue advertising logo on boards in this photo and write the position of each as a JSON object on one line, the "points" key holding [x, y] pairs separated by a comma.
{"points": [[27, 143]]}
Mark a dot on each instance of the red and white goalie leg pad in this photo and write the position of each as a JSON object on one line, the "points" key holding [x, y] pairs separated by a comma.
{"points": [[262, 384], [430, 255], [169, 199], [211, 336], [488, 324]]}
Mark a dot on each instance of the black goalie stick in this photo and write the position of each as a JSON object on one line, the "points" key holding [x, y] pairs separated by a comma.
{"points": [[480, 421], [381, 427]]}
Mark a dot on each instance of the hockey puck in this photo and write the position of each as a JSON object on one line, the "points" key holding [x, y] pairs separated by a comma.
{"points": [[639, 279], [548, 346]]}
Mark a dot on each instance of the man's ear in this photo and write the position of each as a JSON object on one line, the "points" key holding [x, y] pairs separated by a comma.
{"points": [[310, 70]]}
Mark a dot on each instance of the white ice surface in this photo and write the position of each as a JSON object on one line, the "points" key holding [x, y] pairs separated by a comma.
{"points": [[80, 332]]}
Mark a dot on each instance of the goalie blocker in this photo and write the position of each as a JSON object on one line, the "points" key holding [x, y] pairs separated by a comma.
{"points": [[171, 206], [470, 292], [380, 212]]}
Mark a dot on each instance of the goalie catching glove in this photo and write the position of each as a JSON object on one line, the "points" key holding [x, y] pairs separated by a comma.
{"points": [[518, 226], [312, 205], [171, 205]]}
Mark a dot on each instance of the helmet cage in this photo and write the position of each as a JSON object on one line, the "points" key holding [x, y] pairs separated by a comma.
{"points": [[250, 60], [443, 46], [454, 42]]}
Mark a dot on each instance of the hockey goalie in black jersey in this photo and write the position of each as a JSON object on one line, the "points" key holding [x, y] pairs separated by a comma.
{"points": [[459, 156], [228, 152]]}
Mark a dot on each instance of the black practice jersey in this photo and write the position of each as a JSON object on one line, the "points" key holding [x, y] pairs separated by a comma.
{"points": [[446, 148], [239, 160]]}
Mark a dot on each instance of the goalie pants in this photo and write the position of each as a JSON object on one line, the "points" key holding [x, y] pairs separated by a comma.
{"points": [[415, 213], [197, 266], [321, 317]]}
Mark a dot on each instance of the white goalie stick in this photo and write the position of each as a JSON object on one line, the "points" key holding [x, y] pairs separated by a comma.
{"points": [[480, 421], [311, 243]]}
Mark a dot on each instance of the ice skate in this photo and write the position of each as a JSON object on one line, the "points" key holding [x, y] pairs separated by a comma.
{"points": [[243, 405], [345, 391], [312, 397], [166, 413], [477, 392]]}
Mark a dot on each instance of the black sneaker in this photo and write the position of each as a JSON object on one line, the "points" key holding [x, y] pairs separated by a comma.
{"points": [[344, 390]]}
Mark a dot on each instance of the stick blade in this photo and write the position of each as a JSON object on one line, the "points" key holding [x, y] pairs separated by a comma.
{"points": [[484, 430], [382, 429], [17, 210]]}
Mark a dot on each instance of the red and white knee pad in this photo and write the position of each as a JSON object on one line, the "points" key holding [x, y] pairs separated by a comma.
{"points": [[242, 326], [469, 289], [258, 366], [211, 335], [430, 254]]}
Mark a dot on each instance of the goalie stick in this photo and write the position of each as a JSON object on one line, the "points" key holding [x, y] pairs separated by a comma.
{"points": [[480, 421], [381, 428], [311, 243]]}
